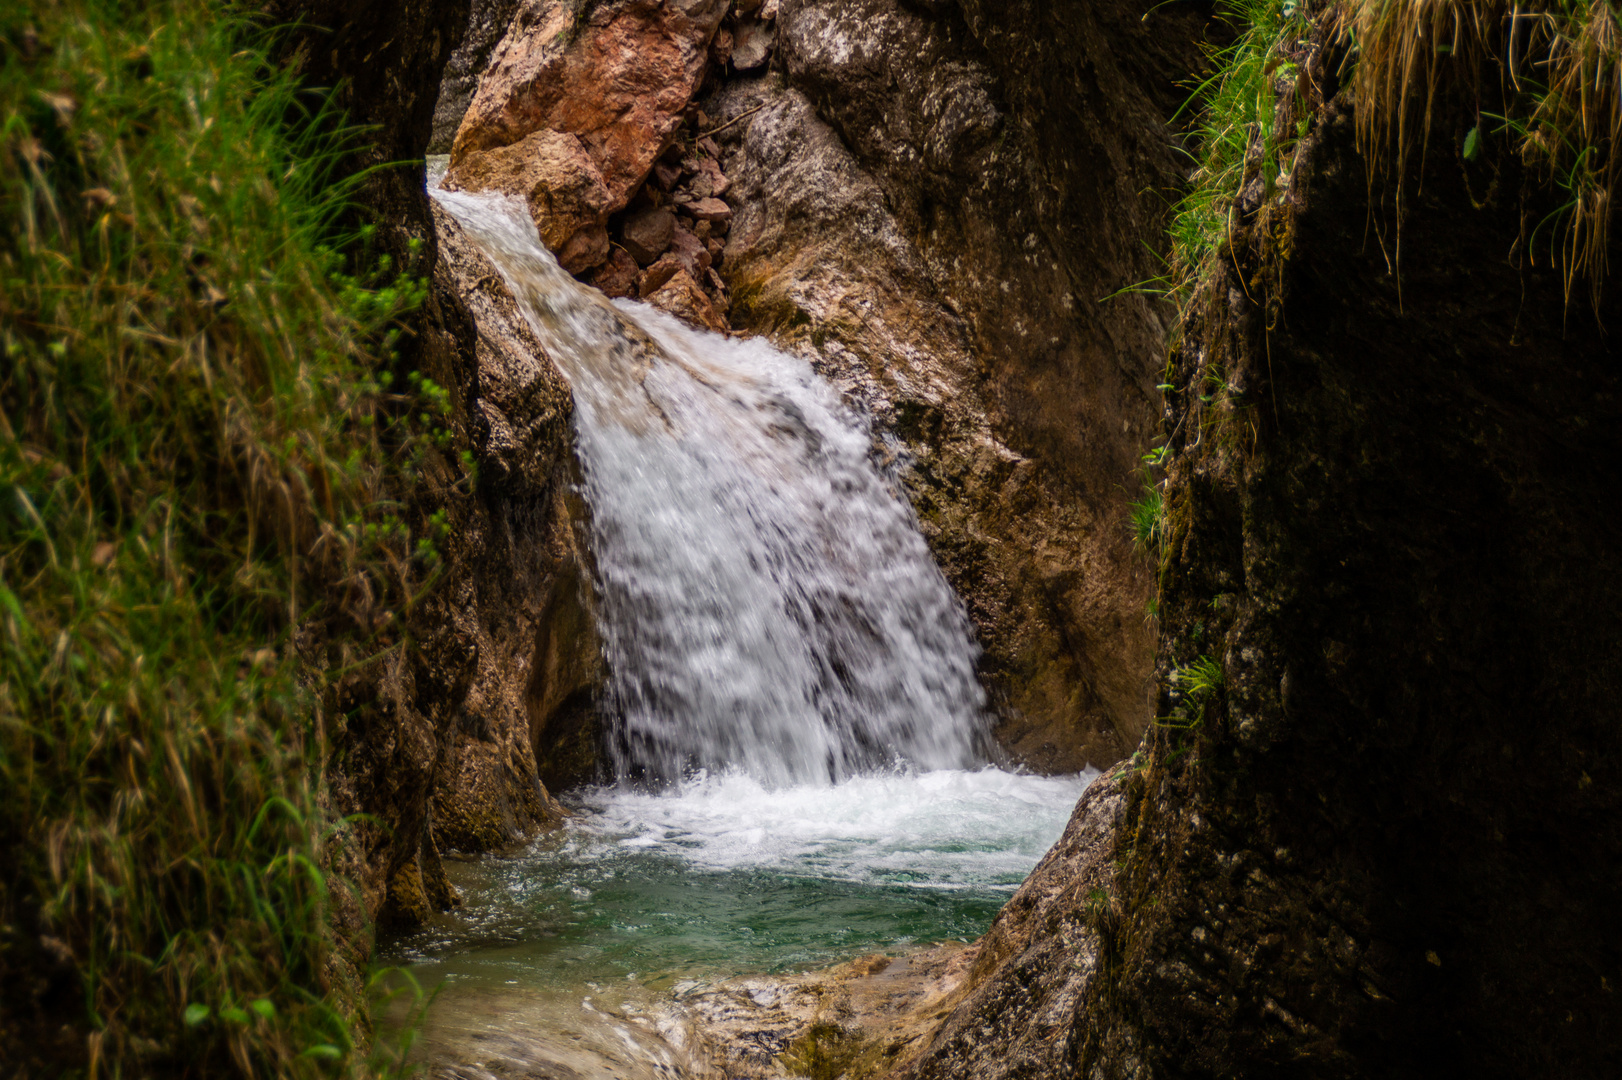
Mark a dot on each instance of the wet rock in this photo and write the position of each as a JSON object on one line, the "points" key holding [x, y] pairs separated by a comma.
{"points": [[1032, 970], [682, 297], [554, 173], [925, 205], [488, 21], [616, 277], [647, 234], [618, 78], [856, 1020], [515, 568]]}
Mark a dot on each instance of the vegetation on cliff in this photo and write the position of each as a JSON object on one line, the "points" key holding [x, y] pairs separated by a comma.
{"points": [[193, 459]]}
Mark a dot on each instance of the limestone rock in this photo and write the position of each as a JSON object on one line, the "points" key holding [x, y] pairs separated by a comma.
{"points": [[647, 234], [929, 211], [553, 172], [617, 77], [487, 24], [682, 297], [752, 44]]}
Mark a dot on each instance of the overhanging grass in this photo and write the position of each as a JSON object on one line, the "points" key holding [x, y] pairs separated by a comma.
{"points": [[190, 483]]}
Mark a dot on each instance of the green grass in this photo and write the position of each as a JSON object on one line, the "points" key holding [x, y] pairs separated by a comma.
{"points": [[194, 454], [1234, 111]]}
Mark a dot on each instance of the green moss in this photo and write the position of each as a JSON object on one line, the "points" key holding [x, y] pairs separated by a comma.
{"points": [[824, 1052]]}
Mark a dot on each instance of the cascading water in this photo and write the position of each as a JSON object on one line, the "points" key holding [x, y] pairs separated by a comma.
{"points": [[767, 602], [789, 667]]}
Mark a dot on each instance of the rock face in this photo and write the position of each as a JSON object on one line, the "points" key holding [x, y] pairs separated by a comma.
{"points": [[432, 741], [930, 202], [1383, 840], [616, 78], [487, 24], [1034, 967]]}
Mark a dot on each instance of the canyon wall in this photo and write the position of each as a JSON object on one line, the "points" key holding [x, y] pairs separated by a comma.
{"points": [[932, 206], [432, 740], [1377, 835]]}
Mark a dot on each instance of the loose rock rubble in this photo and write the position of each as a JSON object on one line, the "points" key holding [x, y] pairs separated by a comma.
{"points": [[591, 116]]}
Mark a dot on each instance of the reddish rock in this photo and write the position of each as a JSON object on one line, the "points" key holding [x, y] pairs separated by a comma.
{"points": [[709, 181], [714, 247], [616, 277], [681, 296], [620, 83], [690, 251], [555, 175], [647, 234], [666, 176], [655, 276], [712, 210]]}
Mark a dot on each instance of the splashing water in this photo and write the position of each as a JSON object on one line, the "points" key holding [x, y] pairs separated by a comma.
{"points": [[767, 602], [789, 665]]}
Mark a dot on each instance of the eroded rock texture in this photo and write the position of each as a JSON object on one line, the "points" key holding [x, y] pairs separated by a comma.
{"points": [[599, 91], [431, 736], [931, 200], [1383, 839]]}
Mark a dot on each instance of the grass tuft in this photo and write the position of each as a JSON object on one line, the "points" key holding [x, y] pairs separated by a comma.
{"points": [[194, 450]]}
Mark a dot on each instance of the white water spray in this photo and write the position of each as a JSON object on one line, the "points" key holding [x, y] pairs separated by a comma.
{"points": [[768, 605]]}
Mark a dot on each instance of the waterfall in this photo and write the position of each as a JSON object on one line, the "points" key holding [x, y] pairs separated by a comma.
{"points": [[767, 602]]}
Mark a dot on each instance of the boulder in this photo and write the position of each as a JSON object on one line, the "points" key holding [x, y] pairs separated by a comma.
{"points": [[681, 296], [553, 172], [647, 234], [690, 251], [617, 82]]}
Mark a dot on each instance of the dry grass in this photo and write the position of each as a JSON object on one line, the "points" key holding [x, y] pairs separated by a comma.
{"points": [[194, 454], [1558, 72]]}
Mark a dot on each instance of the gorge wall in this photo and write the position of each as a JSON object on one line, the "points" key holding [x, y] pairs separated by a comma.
{"points": [[930, 206], [1377, 834], [432, 741]]}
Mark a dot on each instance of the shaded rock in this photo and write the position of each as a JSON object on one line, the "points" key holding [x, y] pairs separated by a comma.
{"points": [[517, 568], [721, 47], [752, 44], [553, 172], [647, 234], [619, 77], [655, 276], [487, 24], [681, 296], [690, 252], [616, 277], [708, 180], [666, 176]]}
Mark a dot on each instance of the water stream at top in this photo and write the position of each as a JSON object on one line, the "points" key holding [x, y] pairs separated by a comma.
{"points": [[792, 689]]}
